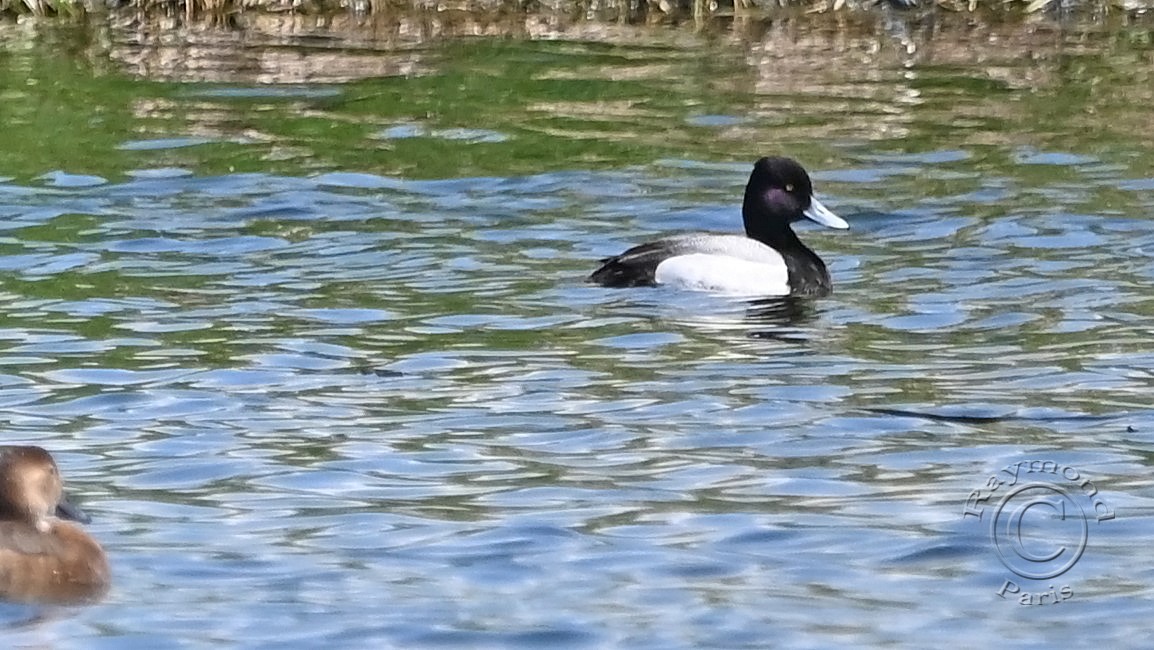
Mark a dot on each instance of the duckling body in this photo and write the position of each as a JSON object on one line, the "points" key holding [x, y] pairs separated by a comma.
{"points": [[44, 559]]}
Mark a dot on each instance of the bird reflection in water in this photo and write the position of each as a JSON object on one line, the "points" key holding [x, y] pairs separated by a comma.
{"points": [[777, 317]]}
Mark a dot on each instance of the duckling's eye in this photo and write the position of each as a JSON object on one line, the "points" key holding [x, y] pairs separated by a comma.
{"points": [[789, 187]]}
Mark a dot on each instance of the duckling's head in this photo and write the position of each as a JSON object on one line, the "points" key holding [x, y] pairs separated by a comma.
{"points": [[31, 488]]}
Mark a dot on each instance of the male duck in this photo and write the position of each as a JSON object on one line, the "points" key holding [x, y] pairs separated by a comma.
{"points": [[768, 261]]}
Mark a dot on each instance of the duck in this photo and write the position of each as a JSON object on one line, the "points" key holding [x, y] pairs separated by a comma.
{"points": [[769, 260], [44, 559]]}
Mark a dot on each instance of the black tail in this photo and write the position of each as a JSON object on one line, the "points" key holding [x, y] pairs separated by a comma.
{"points": [[616, 273]]}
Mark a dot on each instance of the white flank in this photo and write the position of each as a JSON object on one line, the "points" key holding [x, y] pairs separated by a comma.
{"points": [[726, 274]]}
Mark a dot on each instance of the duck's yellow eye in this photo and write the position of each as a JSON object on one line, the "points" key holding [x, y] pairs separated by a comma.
{"points": [[789, 187]]}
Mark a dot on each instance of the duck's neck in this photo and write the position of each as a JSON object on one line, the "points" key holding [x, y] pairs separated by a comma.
{"points": [[807, 273]]}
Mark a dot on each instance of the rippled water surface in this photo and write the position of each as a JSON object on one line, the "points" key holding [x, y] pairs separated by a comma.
{"points": [[316, 353]]}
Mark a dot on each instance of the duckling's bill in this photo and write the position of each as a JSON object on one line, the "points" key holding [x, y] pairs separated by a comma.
{"points": [[66, 510]]}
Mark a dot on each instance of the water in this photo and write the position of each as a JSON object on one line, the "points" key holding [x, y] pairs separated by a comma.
{"points": [[318, 359]]}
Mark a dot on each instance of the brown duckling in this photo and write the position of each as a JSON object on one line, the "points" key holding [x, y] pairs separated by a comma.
{"points": [[44, 559]]}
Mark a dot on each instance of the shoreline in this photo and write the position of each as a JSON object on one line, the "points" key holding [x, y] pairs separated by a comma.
{"points": [[628, 12]]}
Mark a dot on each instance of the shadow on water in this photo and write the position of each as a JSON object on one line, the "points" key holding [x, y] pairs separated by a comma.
{"points": [[775, 318], [982, 414], [14, 617]]}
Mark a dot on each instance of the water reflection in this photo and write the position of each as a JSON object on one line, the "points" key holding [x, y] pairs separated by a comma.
{"points": [[778, 312], [405, 94], [841, 65], [323, 366], [403, 389]]}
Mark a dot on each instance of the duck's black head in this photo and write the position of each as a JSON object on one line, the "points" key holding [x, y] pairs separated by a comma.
{"points": [[780, 192]]}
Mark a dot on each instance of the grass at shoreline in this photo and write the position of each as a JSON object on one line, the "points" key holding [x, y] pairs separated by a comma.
{"points": [[614, 10]]}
